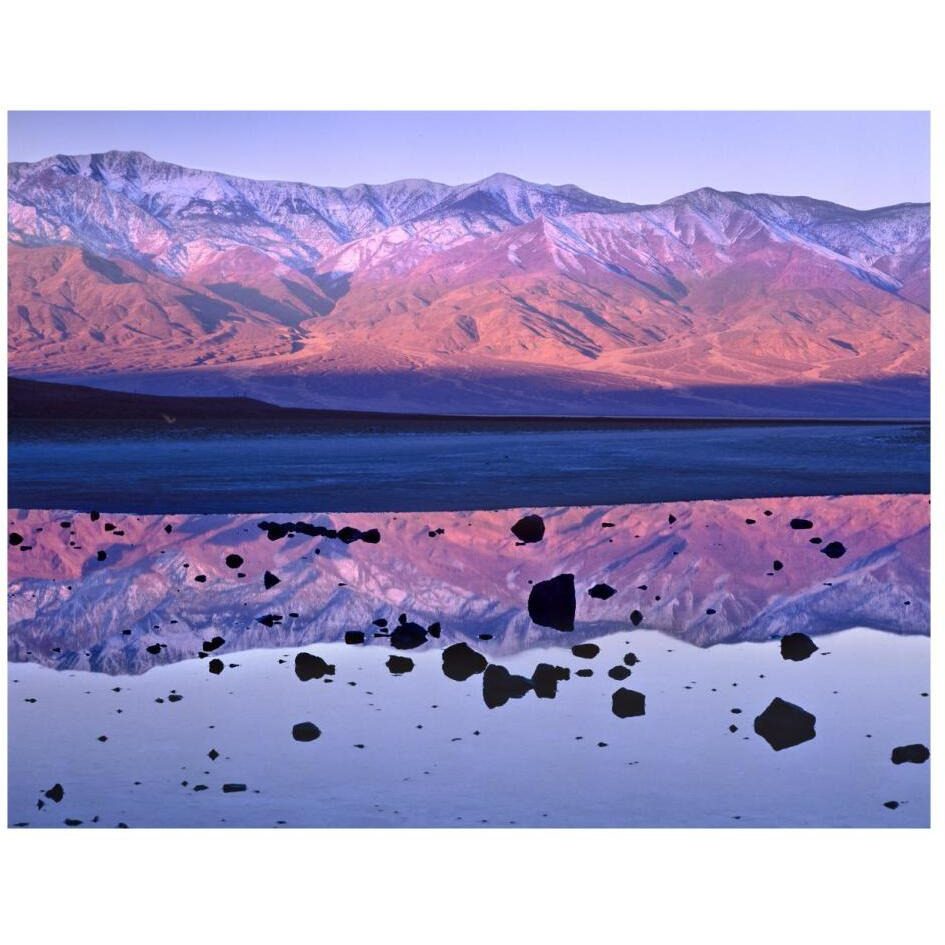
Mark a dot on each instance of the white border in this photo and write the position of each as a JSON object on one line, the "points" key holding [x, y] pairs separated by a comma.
{"points": [[548, 886]]}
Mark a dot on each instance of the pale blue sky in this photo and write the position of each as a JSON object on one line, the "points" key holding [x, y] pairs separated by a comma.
{"points": [[861, 159]]}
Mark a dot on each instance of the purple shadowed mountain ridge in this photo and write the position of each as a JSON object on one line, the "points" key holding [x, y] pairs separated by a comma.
{"points": [[500, 296]]}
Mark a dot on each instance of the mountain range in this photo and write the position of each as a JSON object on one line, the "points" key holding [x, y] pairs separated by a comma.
{"points": [[497, 297]]}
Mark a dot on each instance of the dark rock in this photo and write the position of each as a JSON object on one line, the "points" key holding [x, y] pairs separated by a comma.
{"points": [[233, 788], [835, 549], [551, 603], [305, 732], [529, 529], [801, 523], [627, 703], [784, 725], [270, 580], [636, 618], [913, 754], [215, 666], [354, 637], [399, 665], [585, 651], [308, 666], [601, 592], [546, 677], [55, 793], [797, 647], [499, 685], [407, 636], [619, 673], [460, 661]]}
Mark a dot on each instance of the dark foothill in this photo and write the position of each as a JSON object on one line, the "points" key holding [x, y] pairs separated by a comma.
{"points": [[233, 788], [460, 661], [797, 647], [636, 618], [398, 665], [215, 666], [55, 793], [619, 673], [835, 549], [801, 523], [913, 754], [305, 732], [627, 703], [499, 685], [529, 529], [308, 666], [551, 603], [546, 677], [601, 591], [585, 651], [354, 637], [784, 725], [407, 635], [270, 580]]}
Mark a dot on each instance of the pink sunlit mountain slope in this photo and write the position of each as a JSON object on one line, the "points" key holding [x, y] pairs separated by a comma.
{"points": [[500, 296]]}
